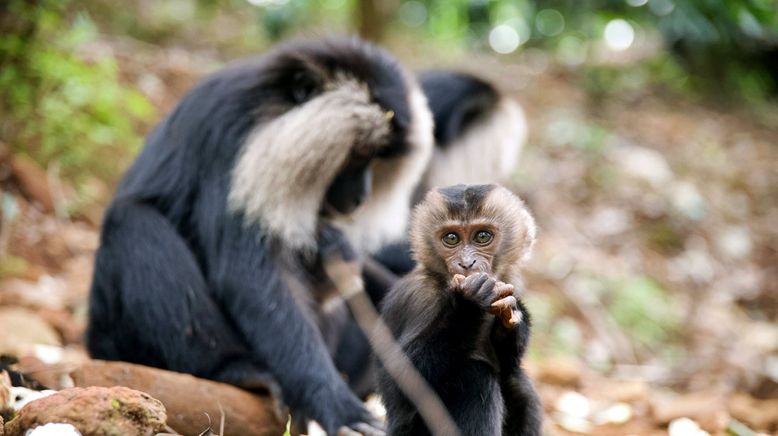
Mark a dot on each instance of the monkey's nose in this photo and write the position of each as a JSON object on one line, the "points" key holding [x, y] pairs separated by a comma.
{"points": [[461, 265]]}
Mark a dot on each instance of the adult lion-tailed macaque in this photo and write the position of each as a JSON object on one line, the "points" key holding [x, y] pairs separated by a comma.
{"points": [[209, 261], [458, 316]]}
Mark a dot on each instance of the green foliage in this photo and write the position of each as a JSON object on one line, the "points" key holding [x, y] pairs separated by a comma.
{"points": [[59, 107], [724, 47], [288, 431], [644, 310]]}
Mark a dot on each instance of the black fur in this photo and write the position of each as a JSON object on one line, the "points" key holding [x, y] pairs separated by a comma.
{"points": [[471, 362], [182, 283], [457, 100]]}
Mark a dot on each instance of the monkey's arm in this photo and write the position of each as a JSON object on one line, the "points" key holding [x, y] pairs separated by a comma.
{"points": [[437, 328], [510, 342], [524, 412], [280, 333]]}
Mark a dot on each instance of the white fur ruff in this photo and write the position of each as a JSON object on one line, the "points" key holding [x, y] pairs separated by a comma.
{"points": [[488, 152]]}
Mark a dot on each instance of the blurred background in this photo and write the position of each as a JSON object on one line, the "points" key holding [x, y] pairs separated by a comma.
{"points": [[651, 166]]}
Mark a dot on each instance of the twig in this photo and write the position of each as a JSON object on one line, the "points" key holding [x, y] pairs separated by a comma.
{"points": [[347, 278]]}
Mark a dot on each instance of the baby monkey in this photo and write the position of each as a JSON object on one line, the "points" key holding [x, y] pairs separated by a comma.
{"points": [[458, 316]]}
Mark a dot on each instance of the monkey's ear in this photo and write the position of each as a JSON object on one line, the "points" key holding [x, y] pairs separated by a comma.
{"points": [[530, 234]]}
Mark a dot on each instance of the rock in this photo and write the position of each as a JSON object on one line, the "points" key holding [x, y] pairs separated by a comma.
{"points": [[187, 398], [759, 414], [22, 330], [561, 372], [708, 409], [33, 181], [628, 391], [93, 411]]}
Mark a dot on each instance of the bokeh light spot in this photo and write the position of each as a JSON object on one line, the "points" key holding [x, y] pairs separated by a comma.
{"points": [[661, 7], [504, 39], [413, 13], [619, 34], [550, 22]]}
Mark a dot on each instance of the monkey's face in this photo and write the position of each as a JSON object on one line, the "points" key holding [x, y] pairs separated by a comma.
{"points": [[468, 248], [465, 229]]}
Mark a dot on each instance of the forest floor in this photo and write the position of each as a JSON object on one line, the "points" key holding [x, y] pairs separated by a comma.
{"points": [[654, 286]]}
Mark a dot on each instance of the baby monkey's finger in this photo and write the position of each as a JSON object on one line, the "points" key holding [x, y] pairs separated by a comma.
{"points": [[457, 281], [474, 282], [511, 319], [507, 311], [502, 304], [503, 289]]}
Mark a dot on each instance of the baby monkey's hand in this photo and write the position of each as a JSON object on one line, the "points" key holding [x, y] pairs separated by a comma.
{"points": [[491, 295]]}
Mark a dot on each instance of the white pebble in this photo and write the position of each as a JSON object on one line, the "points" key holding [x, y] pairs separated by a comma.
{"points": [[574, 404], [685, 427], [54, 429]]}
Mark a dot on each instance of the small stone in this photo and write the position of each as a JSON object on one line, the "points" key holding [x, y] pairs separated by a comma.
{"points": [[643, 163], [561, 372], [686, 199], [685, 427], [573, 404], [618, 413], [735, 242]]}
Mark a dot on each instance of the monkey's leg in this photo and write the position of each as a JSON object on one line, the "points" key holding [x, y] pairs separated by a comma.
{"points": [[280, 330], [474, 400], [150, 303], [524, 413]]}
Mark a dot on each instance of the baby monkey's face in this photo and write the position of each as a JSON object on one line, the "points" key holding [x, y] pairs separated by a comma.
{"points": [[468, 248]]}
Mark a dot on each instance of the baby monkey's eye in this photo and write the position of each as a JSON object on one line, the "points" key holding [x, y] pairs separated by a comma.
{"points": [[451, 239], [483, 237]]}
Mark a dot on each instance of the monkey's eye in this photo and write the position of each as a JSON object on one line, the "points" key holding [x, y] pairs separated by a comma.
{"points": [[482, 237], [451, 239]]}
